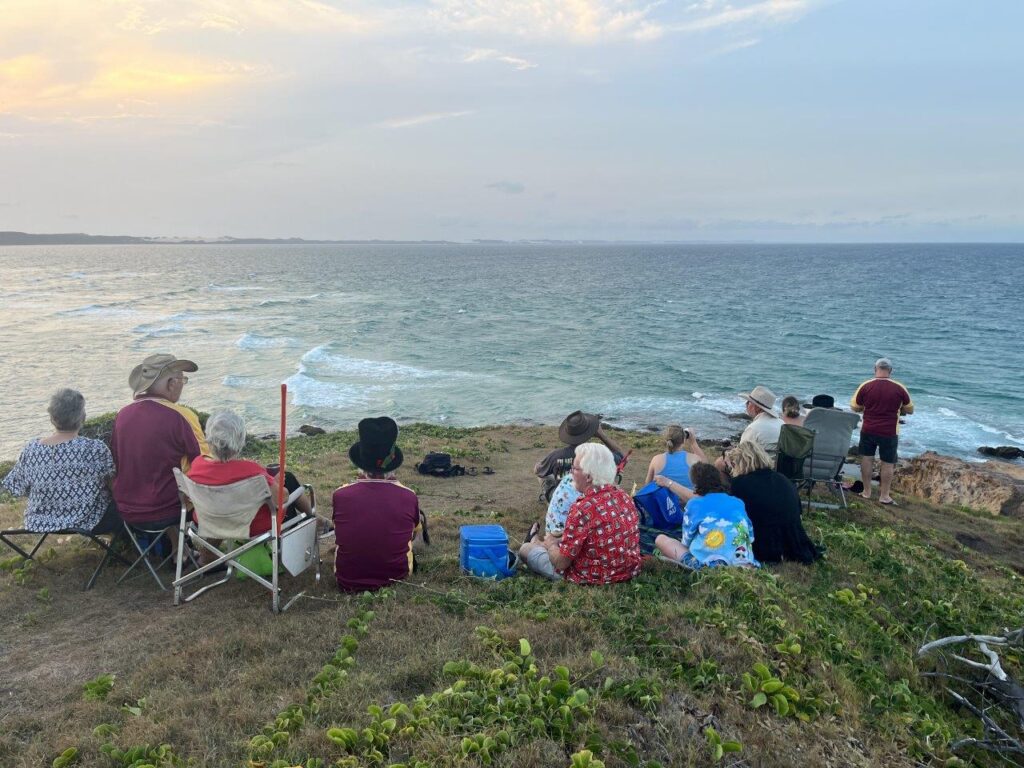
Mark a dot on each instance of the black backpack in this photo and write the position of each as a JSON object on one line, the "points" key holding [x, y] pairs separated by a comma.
{"points": [[439, 465]]}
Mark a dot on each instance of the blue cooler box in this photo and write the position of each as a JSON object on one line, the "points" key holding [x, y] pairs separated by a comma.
{"points": [[483, 551]]}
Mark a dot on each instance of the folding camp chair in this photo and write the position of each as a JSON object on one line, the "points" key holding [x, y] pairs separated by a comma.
{"points": [[109, 524], [225, 512], [146, 538], [833, 430], [795, 446]]}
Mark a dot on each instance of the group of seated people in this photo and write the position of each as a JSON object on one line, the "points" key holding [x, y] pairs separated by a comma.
{"points": [[737, 512]]}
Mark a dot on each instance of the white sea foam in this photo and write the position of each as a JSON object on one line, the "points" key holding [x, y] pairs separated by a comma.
{"points": [[316, 393], [256, 341], [320, 360]]}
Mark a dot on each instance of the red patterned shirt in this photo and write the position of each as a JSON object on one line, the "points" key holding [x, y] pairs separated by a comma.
{"points": [[602, 536]]}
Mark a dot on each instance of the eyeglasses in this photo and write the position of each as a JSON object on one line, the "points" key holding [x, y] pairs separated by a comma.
{"points": [[183, 380]]}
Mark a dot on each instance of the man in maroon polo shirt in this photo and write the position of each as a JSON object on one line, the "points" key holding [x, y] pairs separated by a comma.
{"points": [[152, 435], [882, 400], [376, 518]]}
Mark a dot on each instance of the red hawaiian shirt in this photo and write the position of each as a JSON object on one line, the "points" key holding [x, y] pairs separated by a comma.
{"points": [[602, 536]]}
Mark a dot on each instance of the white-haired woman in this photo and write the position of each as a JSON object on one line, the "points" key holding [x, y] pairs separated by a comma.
{"points": [[225, 434], [601, 540], [66, 477]]}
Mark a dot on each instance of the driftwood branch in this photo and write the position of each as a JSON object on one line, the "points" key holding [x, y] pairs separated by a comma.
{"points": [[995, 695]]}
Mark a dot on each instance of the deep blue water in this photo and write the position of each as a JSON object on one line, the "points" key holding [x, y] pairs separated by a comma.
{"points": [[484, 334]]}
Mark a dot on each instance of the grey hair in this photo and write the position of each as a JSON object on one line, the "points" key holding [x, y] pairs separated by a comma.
{"points": [[883, 363], [225, 432], [597, 461], [67, 409]]}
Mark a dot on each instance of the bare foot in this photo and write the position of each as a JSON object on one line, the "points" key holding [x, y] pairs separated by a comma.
{"points": [[865, 496]]}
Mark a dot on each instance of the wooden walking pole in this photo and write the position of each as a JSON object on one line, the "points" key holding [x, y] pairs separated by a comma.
{"points": [[281, 458]]}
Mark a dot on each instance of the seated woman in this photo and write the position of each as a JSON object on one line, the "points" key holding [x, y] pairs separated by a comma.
{"points": [[376, 518], [225, 434], [682, 452], [716, 530], [66, 477], [601, 540], [791, 413], [773, 504]]}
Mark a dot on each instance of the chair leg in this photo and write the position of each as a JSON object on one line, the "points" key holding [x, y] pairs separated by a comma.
{"points": [[144, 558], [4, 537]]}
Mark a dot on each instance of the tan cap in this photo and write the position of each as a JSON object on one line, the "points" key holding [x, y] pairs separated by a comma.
{"points": [[144, 375]]}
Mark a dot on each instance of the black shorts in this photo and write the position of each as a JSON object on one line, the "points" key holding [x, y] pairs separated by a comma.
{"points": [[886, 446]]}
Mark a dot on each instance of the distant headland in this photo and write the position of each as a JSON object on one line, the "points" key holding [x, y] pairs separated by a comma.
{"points": [[80, 238]]}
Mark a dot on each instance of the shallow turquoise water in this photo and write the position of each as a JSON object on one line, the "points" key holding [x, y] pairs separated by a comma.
{"points": [[483, 334]]}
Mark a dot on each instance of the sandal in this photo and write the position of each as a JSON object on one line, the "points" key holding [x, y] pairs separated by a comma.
{"points": [[888, 503], [532, 533], [488, 471]]}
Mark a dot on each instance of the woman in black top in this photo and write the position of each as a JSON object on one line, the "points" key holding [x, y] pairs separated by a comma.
{"points": [[772, 504]]}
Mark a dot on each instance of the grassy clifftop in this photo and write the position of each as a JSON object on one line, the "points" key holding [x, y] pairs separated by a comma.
{"points": [[792, 665]]}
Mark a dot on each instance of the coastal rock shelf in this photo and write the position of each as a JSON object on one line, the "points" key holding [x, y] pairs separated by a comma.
{"points": [[994, 487]]}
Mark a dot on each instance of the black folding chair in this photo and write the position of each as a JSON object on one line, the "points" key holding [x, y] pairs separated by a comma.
{"points": [[109, 524]]}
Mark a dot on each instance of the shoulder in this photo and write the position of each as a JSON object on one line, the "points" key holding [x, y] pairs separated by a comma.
{"points": [[901, 386]]}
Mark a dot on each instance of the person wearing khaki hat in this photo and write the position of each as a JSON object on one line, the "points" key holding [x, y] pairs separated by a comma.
{"points": [[766, 425], [152, 435]]}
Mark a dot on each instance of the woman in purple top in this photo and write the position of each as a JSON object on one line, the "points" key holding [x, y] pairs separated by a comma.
{"points": [[376, 518], [66, 477]]}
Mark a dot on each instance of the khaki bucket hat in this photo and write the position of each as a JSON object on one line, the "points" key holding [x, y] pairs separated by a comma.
{"points": [[146, 373]]}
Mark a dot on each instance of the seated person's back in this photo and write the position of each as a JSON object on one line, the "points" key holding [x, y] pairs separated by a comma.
{"points": [[151, 436], [64, 475], [376, 518]]}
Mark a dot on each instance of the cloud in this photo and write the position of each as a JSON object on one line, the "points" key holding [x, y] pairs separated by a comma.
{"points": [[508, 187], [739, 45], [580, 21], [717, 13], [430, 117], [489, 54]]}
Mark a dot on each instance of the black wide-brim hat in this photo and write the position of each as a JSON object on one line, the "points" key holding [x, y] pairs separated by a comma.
{"points": [[376, 450], [578, 427], [822, 401]]}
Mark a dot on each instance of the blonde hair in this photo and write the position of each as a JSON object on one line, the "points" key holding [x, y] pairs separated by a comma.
{"points": [[675, 436], [791, 406], [748, 457]]}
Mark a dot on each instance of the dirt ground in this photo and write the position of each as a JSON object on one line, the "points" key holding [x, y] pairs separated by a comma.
{"points": [[210, 674]]}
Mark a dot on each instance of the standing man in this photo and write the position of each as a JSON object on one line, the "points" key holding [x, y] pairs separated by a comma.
{"points": [[152, 435], [882, 400]]}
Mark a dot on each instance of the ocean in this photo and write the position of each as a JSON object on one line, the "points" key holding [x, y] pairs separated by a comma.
{"points": [[520, 333]]}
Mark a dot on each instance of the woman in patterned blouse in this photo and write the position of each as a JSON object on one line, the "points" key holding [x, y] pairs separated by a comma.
{"points": [[66, 477], [601, 540]]}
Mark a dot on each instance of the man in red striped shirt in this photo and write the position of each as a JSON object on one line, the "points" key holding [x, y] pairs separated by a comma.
{"points": [[882, 400]]}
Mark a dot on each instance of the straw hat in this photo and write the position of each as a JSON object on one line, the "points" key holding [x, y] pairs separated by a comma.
{"points": [[762, 397]]}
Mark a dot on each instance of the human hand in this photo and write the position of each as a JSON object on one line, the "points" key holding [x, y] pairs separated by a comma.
{"points": [[661, 481]]}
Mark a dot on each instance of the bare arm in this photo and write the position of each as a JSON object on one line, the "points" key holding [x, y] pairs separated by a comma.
{"points": [[612, 445], [558, 560], [657, 464], [693, 447]]}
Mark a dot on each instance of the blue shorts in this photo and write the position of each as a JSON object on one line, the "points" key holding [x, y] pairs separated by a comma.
{"points": [[886, 446]]}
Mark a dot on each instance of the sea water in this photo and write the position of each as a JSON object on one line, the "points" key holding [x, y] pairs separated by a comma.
{"points": [[500, 333]]}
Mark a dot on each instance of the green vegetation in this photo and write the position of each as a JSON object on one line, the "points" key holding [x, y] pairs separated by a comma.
{"points": [[787, 664]]}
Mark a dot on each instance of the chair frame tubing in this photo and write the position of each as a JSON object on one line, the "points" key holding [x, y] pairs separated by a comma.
{"points": [[108, 553], [230, 559]]}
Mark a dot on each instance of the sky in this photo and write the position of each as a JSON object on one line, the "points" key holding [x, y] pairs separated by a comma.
{"points": [[768, 120]]}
